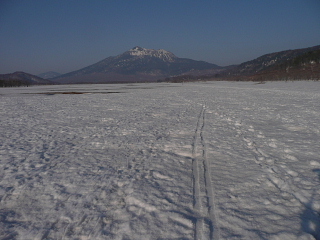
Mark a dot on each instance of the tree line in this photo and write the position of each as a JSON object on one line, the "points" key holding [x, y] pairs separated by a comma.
{"points": [[13, 83]]}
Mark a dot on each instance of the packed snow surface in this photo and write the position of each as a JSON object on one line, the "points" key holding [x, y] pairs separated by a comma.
{"points": [[215, 160]]}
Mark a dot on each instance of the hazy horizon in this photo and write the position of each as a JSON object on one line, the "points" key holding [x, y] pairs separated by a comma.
{"points": [[41, 36]]}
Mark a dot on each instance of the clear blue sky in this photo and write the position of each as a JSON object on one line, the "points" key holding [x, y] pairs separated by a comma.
{"points": [[65, 35]]}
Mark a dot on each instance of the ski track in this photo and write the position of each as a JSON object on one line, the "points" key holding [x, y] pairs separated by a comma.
{"points": [[207, 226], [189, 161]]}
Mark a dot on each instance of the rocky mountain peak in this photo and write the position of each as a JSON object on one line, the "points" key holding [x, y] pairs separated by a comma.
{"points": [[166, 56]]}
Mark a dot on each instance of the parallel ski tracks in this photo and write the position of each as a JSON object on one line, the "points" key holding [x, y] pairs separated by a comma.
{"points": [[206, 226]]}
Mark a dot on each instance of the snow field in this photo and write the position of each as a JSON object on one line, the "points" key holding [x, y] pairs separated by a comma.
{"points": [[216, 160]]}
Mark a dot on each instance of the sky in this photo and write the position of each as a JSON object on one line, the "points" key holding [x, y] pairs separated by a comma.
{"points": [[38, 36]]}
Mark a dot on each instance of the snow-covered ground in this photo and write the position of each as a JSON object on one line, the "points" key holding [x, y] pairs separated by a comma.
{"points": [[215, 160]]}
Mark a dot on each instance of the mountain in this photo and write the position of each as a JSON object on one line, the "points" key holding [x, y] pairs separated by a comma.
{"points": [[135, 65], [147, 65], [298, 64], [305, 66], [21, 79], [48, 75], [266, 63]]}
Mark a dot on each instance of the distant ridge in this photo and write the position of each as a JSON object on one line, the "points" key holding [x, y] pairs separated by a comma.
{"points": [[135, 65], [21, 79], [298, 64], [305, 66], [270, 63]]}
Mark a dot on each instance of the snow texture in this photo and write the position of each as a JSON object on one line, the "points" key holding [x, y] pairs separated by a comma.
{"points": [[215, 160]]}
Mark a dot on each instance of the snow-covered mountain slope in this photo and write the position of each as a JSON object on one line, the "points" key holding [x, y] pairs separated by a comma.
{"points": [[267, 61], [161, 161]]}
